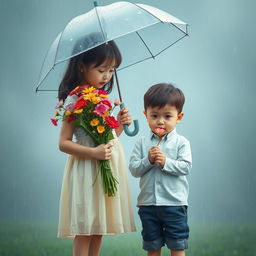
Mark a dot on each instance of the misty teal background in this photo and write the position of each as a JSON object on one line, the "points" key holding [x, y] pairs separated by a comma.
{"points": [[215, 67]]}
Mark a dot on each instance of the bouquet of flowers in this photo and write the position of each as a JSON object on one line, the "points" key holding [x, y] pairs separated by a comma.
{"points": [[92, 112]]}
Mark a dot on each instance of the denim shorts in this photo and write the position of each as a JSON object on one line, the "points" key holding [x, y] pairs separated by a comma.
{"points": [[164, 225]]}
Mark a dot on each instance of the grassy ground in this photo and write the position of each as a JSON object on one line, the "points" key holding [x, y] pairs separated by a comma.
{"points": [[39, 239]]}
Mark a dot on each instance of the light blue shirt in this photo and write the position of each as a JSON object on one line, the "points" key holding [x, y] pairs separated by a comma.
{"points": [[167, 185]]}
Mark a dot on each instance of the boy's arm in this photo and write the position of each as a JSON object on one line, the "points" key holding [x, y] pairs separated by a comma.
{"points": [[182, 165], [139, 164]]}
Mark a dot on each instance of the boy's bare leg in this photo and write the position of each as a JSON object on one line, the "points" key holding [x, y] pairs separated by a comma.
{"points": [[155, 253], [177, 252]]}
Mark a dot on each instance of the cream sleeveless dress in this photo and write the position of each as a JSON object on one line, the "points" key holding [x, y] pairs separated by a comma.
{"points": [[84, 208]]}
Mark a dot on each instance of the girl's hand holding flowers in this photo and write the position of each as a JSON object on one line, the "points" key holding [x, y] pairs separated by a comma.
{"points": [[102, 152]]}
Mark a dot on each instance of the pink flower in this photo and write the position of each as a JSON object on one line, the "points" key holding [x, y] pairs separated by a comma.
{"points": [[117, 102], [101, 109], [107, 102], [159, 131]]}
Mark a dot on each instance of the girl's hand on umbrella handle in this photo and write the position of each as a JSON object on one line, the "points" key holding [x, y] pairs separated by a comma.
{"points": [[124, 117], [102, 152], [126, 127]]}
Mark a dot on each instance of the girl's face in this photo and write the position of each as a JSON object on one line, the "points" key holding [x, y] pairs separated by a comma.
{"points": [[97, 76], [166, 117]]}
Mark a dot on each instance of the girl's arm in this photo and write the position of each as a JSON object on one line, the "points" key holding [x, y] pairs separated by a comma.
{"points": [[123, 117], [101, 152]]}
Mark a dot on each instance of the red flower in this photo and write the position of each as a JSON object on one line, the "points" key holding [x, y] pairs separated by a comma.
{"points": [[74, 91], [106, 102], [80, 103], [102, 92], [111, 122], [78, 89], [71, 118], [54, 121]]}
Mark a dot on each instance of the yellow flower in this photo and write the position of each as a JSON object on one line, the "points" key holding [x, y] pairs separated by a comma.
{"points": [[100, 129], [103, 96], [94, 122], [78, 111], [88, 90], [95, 100], [89, 96], [68, 113]]}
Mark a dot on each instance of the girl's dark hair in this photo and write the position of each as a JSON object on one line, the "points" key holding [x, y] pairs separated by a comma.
{"points": [[72, 77], [162, 94]]}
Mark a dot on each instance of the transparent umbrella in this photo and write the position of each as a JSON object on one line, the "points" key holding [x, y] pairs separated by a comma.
{"points": [[140, 31]]}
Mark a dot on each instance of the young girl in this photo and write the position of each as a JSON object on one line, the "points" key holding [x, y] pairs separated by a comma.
{"points": [[86, 213]]}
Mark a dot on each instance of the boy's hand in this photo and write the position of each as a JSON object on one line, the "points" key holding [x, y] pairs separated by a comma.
{"points": [[152, 154], [124, 117], [156, 156], [160, 158]]}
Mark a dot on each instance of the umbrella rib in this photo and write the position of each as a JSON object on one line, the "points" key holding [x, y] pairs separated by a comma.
{"points": [[101, 28], [134, 63], [44, 62], [46, 90], [171, 44], [57, 49], [152, 55], [37, 88], [186, 33]]}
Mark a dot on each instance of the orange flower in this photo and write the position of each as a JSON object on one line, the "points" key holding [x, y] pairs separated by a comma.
{"points": [[100, 129], [94, 122]]}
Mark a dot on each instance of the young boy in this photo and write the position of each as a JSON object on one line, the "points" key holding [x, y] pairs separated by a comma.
{"points": [[162, 160]]}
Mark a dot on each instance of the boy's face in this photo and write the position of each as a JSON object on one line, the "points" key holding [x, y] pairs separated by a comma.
{"points": [[166, 118]]}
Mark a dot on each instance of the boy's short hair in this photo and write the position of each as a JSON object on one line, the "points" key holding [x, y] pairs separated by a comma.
{"points": [[159, 95]]}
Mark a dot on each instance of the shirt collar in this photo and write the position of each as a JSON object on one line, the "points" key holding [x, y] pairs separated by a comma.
{"points": [[166, 137]]}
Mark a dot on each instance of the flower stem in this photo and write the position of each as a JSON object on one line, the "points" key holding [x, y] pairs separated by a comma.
{"points": [[109, 181]]}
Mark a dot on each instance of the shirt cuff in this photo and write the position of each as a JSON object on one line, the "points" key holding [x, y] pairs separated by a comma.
{"points": [[167, 164], [146, 163]]}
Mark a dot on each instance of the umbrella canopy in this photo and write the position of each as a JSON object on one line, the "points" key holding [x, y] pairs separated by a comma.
{"points": [[140, 31]]}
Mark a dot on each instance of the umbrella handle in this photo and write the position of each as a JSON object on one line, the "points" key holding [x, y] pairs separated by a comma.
{"points": [[126, 127]]}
